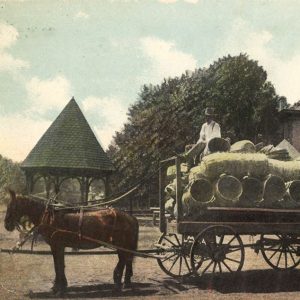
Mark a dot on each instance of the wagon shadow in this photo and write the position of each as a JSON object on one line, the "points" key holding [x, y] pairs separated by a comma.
{"points": [[99, 291], [254, 281]]}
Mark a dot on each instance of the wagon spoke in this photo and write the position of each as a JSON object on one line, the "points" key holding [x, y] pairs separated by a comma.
{"points": [[180, 265], [226, 266], [295, 251], [285, 258], [234, 250], [168, 257], [214, 269], [170, 242], [231, 240], [177, 240], [174, 262], [221, 239], [220, 268], [231, 259], [291, 255], [207, 267], [279, 258], [186, 263], [276, 251]]}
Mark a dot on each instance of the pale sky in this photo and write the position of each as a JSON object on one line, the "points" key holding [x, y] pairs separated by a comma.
{"points": [[102, 52]]}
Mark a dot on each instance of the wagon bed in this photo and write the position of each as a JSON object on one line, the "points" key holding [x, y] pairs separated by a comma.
{"points": [[211, 240]]}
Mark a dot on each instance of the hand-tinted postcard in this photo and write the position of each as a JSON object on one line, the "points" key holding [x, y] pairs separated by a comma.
{"points": [[149, 149]]}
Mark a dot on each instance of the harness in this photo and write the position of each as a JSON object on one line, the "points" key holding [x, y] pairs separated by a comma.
{"points": [[80, 223]]}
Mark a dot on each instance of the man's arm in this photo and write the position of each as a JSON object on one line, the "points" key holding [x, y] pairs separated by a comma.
{"points": [[216, 130], [202, 137]]}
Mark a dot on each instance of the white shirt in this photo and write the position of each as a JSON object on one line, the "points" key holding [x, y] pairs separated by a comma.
{"points": [[209, 131]]}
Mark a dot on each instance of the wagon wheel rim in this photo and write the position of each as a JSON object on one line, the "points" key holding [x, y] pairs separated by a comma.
{"points": [[280, 251], [175, 249], [216, 250]]}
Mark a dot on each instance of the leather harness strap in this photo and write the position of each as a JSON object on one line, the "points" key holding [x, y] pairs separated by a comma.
{"points": [[80, 222], [114, 224]]}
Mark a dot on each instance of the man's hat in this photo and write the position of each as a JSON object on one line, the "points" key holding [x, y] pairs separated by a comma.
{"points": [[209, 111]]}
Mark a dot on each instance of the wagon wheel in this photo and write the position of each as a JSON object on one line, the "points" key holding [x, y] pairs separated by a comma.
{"points": [[176, 248], [280, 251], [217, 249]]}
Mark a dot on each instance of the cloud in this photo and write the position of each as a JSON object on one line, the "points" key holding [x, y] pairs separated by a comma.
{"points": [[283, 73], [110, 111], [50, 94], [82, 15], [166, 60], [15, 145], [174, 1], [167, 1], [8, 37]]}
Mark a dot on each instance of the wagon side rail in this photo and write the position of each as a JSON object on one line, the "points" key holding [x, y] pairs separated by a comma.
{"points": [[164, 164]]}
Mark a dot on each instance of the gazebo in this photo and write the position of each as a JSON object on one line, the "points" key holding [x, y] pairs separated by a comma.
{"points": [[68, 150]]}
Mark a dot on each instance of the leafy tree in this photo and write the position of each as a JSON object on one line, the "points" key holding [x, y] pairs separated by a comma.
{"points": [[168, 116], [11, 176]]}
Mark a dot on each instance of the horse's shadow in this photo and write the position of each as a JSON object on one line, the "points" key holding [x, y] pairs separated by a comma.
{"points": [[99, 291], [256, 281]]}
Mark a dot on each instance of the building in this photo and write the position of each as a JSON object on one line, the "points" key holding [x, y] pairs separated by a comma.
{"points": [[290, 125]]}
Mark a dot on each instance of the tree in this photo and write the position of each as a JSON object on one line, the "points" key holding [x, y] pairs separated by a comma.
{"points": [[11, 176], [168, 116]]}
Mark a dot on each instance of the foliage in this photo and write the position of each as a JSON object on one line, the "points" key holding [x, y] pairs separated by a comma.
{"points": [[11, 176], [168, 116]]}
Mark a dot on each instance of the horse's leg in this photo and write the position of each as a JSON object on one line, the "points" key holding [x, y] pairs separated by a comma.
{"points": [[118, 271], [128, 272], [60, 282], [55, 283]]}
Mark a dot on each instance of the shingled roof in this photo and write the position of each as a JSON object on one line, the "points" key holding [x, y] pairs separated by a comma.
{"points": [[69, 144]]}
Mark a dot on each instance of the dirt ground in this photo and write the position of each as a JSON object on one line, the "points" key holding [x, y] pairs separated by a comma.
{"points": [[90, 277]]}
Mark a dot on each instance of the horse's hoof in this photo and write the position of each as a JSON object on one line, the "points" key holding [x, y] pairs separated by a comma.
{"points": [[59, 293], [118, 288], [127, 285], [58, 290]]}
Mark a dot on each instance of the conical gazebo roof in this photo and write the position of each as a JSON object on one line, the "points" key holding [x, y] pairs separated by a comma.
{"points": [[69, 145]]}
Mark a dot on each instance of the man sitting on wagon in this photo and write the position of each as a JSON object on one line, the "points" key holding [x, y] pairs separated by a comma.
{"points": [[209, 130]]}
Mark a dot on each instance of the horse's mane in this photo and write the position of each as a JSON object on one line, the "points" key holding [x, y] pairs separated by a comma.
{"points": [[29, 201]]}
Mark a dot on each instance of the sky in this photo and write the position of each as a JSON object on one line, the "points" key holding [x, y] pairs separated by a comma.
{"points": [[102, 52]]}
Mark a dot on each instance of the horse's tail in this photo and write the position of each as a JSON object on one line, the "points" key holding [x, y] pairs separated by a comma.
{"points": [[136, 233]]}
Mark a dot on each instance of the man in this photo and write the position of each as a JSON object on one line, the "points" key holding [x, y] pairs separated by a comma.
{"points": [[209, 130]]}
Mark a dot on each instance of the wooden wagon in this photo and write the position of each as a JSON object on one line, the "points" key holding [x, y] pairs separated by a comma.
{"points": [[214, 242]]}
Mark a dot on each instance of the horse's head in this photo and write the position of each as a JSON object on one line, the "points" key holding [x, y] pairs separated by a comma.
{"points": [[12, 214]]}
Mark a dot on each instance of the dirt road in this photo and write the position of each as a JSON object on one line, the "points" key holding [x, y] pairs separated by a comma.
{"points": [[90, 277]]}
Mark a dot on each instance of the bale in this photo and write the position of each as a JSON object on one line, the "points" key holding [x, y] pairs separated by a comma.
{"points": [[244, 146], [235, 164], [288, 170], [274, 190], [196, 173], [218, 144], [171, 171], [252, 191], [228, 189], [199, 193], [293, 190], [170, 189], [169, 206]]}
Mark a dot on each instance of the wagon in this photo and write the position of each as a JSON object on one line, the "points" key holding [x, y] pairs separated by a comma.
{"points": [[215, 241]]}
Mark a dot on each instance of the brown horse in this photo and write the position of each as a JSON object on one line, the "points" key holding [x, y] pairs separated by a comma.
{"points": [[77, 229]]}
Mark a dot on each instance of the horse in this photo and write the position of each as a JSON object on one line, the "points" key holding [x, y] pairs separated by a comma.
{"points": [[78, 229]]}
